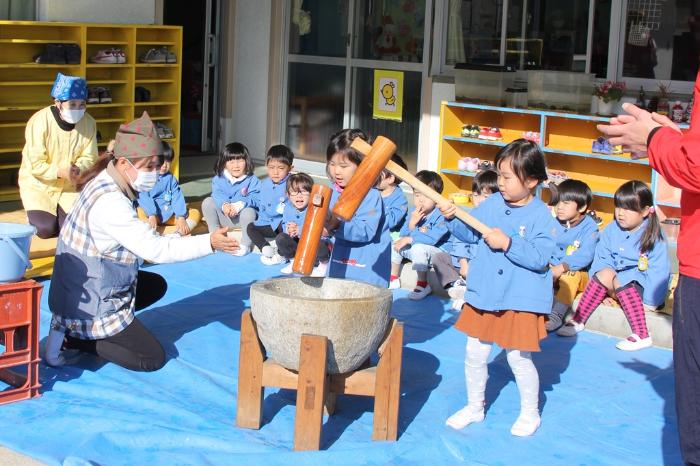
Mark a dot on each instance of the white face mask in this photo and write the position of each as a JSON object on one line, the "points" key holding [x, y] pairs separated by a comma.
{"points": [[145, 181], [72, 116]]}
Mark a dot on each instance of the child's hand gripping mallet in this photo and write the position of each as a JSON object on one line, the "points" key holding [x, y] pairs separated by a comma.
{"points": [[310, 237], [378, 157]]}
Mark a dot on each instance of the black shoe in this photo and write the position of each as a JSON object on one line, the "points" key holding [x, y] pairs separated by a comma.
{"points": [[72, 53]]}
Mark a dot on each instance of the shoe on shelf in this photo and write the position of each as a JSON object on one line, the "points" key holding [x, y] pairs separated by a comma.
{"points": [[164, 132], [72, 52], [105, 95], [486, 165], [120, 54], [476, 129], [273, 260], [634, 343], [288, 269], [420, 292], [105, 57], [395, 284], [570, 329], [53, 54], [159, 55], [466, 131], [617, 150], [484, 134], [93, 95], [469, 164], [533, 136], [169, 56], [495, 134], [598, 221]]}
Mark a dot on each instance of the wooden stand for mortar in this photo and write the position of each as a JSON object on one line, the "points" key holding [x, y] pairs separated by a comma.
{"points": [[316, 389]]}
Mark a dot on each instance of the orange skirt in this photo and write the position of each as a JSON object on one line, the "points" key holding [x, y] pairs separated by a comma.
{"points": [[508, 329]]}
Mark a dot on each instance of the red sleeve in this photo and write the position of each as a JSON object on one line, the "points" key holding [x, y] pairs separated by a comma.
{"points": [[677, 156]]}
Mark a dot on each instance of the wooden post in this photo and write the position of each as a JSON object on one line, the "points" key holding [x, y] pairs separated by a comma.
{"points": [[311, 392], [250, 375], [387, 391]]}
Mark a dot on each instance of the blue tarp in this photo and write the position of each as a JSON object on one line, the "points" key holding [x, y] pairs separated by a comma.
{"points": [[600, 406]]}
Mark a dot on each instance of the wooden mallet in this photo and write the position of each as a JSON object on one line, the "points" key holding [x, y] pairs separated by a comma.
{"points": [[378, 157], [310, 237]]}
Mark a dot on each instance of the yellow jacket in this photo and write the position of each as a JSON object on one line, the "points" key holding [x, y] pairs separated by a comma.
{"points": [[48, 148]]}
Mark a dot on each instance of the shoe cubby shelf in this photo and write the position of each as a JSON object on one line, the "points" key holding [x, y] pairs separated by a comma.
{"points": [[566, 140], [25, 86]]}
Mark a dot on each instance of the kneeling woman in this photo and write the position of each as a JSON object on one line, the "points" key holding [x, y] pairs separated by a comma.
{"points": [[97, 284]]}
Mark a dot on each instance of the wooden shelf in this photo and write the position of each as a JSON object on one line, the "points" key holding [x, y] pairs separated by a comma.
{"points": [[450, 171], [615, 158], [38, 41], [7, 148], [22, 84], [476, 141], [26, 83]]}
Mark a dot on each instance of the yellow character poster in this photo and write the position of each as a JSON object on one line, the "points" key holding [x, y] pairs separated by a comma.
{"points": [[388, 95]]}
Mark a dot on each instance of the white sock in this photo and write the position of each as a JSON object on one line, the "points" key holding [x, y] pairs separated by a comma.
{"points": [[476, 374], [528, 382], [52, 354]]}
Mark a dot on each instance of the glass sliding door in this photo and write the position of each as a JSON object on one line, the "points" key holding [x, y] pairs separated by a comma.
{"points": [[334, 46]]}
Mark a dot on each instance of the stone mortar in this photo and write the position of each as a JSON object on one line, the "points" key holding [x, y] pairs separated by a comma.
{"points": [[353, 316]]}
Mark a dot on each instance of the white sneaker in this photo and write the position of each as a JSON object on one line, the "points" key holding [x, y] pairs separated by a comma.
{"points": [[242, 251], [274, 260], [465, 416], [457, 304], [570, 329], [457, 291], [395, 284], [267, 251], [320, 270], [526, 424], [420, 292], [634, 343], [287, 269]]}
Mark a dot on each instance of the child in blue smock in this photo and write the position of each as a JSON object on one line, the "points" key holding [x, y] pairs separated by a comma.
{"points": [[395, 203], [452, 265], [421, 238], [631, 259], [270, 202], [362, 246], [577, 237], [298, 192], [233, 192], [509, 284], [165, 203]]}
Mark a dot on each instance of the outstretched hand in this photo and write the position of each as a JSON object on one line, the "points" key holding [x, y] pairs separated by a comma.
{"points": [[632, 130], [220, 241]]}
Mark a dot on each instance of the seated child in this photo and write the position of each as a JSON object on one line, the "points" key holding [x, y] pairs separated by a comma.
{"points": [[451, 266], [395, 203], [298, 192], [233, 191], [631, 259], [270, 202], [165, 203], [577, 237], [420, 238]]}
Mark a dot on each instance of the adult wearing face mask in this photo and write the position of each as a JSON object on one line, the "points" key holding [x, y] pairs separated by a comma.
{"points": [[97, 285], [60, 143]]}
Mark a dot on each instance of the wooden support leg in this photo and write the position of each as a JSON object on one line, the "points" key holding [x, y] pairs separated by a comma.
{"points": [[311, 392], [388, 385], [250, 375]]}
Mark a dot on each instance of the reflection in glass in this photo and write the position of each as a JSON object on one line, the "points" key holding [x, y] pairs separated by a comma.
{"points": [[390, 30], [318, 27], [474, 31], [316, 97], [405, 133], [661, 40]]}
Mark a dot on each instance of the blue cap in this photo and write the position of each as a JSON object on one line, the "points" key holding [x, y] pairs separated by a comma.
{"points": [[69, 88]]}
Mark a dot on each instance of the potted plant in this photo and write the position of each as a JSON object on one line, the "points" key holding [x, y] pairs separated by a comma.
{"points": [[609, 94]]}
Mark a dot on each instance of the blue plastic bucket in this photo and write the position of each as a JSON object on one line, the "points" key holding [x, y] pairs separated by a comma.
{"points": [[15, 239]]}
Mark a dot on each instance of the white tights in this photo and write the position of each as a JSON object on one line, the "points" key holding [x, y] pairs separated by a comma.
{"points": [[526, 377]]}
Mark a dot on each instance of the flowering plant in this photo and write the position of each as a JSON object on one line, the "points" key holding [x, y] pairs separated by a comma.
{"points": [[610, 90]]}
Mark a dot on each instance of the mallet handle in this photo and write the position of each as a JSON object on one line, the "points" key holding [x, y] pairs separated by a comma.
{"points": [[423, 188], [310, 236]]}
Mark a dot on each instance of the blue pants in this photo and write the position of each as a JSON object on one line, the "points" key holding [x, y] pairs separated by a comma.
{"points": [[686, 365]]}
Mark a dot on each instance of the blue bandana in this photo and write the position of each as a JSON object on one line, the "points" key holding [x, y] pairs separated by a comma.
{"points": [[69, 88]]}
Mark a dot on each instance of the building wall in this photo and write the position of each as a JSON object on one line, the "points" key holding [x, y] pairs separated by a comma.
{"points": [[247, 76], [98, 11]]}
